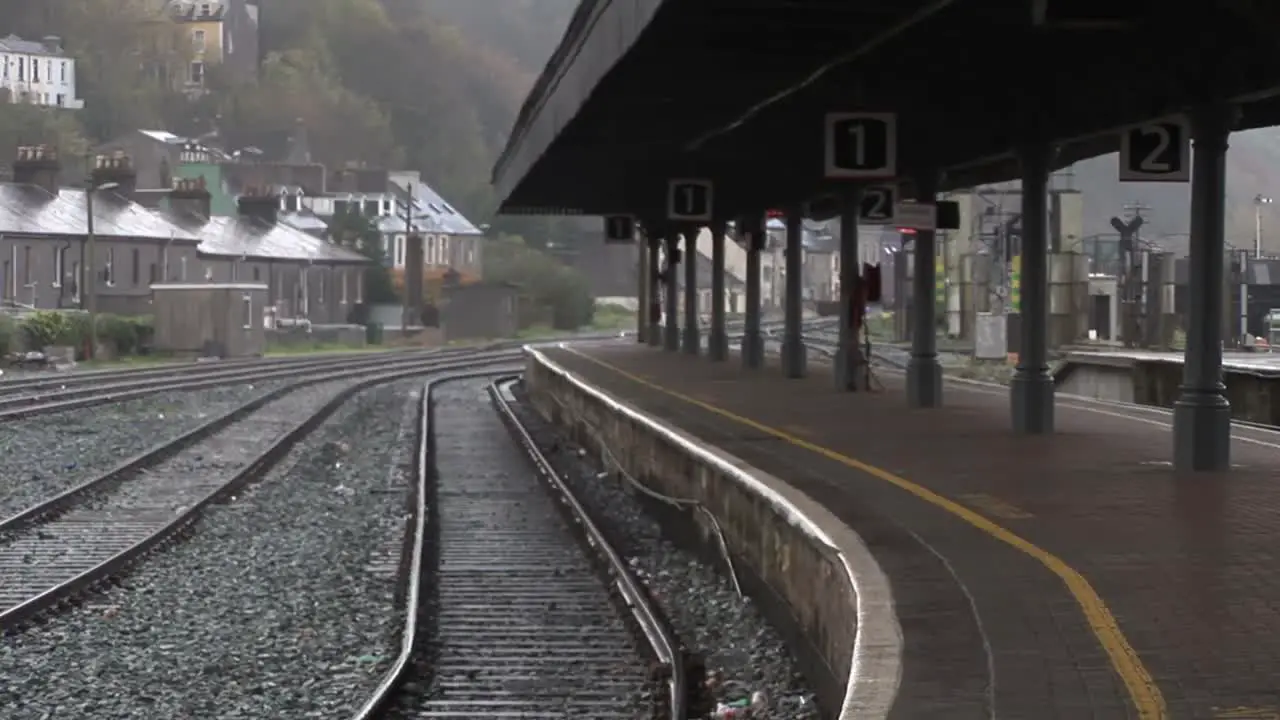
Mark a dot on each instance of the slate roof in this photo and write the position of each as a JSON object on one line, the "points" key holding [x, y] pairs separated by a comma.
{"points": [[32, 210], [15, 44], [246, 236], [431, 213]]}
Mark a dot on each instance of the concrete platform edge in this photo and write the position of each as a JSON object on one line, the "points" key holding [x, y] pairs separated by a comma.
{"points": [[872, 661]]}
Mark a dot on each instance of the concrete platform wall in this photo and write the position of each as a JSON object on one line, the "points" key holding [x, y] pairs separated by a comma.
{"points": [[801, 568], [1253, 389]]}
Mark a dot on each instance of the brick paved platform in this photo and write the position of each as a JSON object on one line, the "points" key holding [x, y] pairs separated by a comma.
{"points": [[1070, 576]]}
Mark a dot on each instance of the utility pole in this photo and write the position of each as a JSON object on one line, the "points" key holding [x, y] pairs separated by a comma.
{"points": [[413, 265], [1128, 285]]}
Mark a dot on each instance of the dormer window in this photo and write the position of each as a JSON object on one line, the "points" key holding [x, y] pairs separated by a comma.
{"points": [[206, 9]]}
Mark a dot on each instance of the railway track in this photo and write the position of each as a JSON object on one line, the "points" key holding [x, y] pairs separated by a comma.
{"points": [[516, 605], [25, 398], [68, 543]]}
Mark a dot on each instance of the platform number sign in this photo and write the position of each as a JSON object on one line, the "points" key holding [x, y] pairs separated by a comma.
{"points": [[876, 205], [619, 229], [1158, 151], [689, 200], [861, 145]]}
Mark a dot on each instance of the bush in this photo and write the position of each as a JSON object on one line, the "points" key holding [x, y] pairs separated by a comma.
{"points": [[7, 331], [119, 333], [45, 328]]}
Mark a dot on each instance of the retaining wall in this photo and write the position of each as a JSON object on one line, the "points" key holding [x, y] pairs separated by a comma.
{"points": [[808, 581]]}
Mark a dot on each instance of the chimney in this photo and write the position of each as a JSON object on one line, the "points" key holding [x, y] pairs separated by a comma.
{"points": [[115, 168], [259, 203], [191, 197], [37, 165], [53, 44]]}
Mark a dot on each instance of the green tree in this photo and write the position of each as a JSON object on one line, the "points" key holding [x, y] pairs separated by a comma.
{"points": [[542, 280], [354, 231]]}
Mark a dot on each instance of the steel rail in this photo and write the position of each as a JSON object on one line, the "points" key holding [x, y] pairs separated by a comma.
{"points": [[15, 616]]}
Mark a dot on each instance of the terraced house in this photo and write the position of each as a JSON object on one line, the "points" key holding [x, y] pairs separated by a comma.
{"points": [[44, 230]]}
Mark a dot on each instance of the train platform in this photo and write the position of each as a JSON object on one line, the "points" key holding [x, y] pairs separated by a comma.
{"points": [[1066, 576]]}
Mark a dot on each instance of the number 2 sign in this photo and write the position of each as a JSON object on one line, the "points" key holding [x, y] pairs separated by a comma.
{"points": [[1157, 151]]}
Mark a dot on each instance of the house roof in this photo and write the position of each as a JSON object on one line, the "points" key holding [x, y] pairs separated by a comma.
{"points": [[15, 44], [431, 213], [32, 210], [248, 236]]}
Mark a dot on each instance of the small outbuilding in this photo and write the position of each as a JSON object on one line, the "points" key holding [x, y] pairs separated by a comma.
{"points": [[210, 319]]}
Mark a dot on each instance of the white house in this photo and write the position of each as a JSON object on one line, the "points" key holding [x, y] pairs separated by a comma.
{"points": [[38, 73], [449, 239]]}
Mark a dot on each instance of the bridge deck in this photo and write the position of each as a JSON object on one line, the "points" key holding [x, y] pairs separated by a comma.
{"points": [[1068, 576]]}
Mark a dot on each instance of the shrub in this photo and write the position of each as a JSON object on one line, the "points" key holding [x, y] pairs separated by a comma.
{"points": [[45, 328], [119, 333], [7, 330]]}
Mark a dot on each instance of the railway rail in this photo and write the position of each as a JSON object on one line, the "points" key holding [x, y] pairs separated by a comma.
{"points": [[25, 398], [515, 603], [68, 543]]}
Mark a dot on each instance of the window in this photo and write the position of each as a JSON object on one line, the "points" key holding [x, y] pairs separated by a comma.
{"points": [[182, 272], [109, 271], [342, 298], [35, 70], [198, 41], [62, 100], [64, 71], [371, 207], [153, 274], [206, 9], [26, 265], [248, 311], [320, 277], [257, 274], [197, 73], [445, 257], [135, 268], [471, 252], [400, 250], [359, 286], [386, 207], [22, 68], [208, 273], [59, 257], [292, 203], [76, 280], [430, 256]]}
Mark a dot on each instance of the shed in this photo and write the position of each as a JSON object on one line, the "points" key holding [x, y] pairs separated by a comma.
{"points": [[479, 310], [210, 319]]}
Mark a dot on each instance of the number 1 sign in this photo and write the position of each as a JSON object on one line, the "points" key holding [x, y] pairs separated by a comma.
{"points": [[861, 145]]}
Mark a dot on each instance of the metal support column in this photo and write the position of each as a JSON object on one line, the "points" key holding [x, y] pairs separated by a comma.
{"points": [[692, 336], [717, 341], [752, 228], [1202, 415], [643, 272], [671, 336], [1031, 389], [653, 241], [793, 352], [849, 360], [924, 374]]}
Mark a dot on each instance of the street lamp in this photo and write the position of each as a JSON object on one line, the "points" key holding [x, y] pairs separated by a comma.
{"points": [[91, 287], [1258, 201]]}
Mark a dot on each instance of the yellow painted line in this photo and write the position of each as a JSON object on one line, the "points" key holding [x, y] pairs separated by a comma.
{"points": [[1146, 696], [993, 505], [1246, 713]]}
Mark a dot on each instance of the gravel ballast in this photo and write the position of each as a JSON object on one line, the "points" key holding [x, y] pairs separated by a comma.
{"points": [[281, 605], [745, 653], [44, 455]]}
